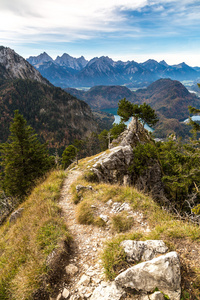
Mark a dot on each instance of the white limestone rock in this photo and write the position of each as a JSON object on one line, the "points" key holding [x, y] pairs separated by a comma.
{"points": [[108, 292], [155, 296], [143, 250], [65, 293], [162, 272], [85, 280]]}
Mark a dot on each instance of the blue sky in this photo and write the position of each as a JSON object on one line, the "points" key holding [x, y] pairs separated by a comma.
{"points": [[121, 29]]}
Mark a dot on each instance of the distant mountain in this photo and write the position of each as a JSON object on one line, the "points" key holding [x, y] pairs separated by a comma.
{"points": [[169, 98], [102, 97], [78, 72], [70, 62], [57, 116], [40, 59], [14, 66]]}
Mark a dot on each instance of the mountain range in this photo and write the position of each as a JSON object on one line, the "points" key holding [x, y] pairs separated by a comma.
{"points": [[67, 71], [59, 117]]}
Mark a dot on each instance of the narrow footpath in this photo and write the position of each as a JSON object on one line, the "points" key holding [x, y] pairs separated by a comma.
{"points": [[88, 241]]}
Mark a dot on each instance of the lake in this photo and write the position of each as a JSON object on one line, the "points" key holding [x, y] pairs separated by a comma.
{"points": [[194, 118], [113, 111]]}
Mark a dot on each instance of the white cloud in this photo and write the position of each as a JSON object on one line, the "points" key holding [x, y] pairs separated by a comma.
{"points": [[24, 22], [77, 18]]}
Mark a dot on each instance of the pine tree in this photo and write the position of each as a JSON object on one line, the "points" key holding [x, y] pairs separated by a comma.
{"points": [[143, 112], [23, 158], [68, 156]]}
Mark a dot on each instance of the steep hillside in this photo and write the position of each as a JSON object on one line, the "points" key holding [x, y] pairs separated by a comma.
{"points": [[14, 66], [55, 115]]}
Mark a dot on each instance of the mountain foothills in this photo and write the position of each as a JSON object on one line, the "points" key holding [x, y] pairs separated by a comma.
{"points": [[168, 97], [57, 117], [67, 71]]}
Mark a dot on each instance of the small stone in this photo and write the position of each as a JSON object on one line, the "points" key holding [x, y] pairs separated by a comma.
{"points": [[71, 269], [85, 280], [59, 297], [157, 296], [96, 280], [79, 188], [109, 202], [104, 217], [65, 293], [87, 295], [104, 283], [16, 214]]}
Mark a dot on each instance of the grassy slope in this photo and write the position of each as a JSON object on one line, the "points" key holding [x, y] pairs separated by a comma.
{"points": [[26, 244]]}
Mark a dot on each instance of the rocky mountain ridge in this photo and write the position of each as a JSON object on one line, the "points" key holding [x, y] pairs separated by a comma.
{"points": [[77, 72], [14, 66]]}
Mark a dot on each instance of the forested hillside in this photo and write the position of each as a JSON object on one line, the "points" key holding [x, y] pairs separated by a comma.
{"points": [[57, 117]]}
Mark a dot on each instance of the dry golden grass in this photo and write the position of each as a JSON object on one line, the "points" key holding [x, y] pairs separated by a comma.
{"points": [[26, 244]]}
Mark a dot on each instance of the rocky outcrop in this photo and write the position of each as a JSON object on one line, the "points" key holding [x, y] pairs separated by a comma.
{"points": [[14, 66], [132, 136], [162, 273], [141, 281], [113, 166]]}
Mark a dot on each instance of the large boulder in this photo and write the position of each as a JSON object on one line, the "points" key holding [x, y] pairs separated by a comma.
{"points": [[143, 250], [162, 272]]}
